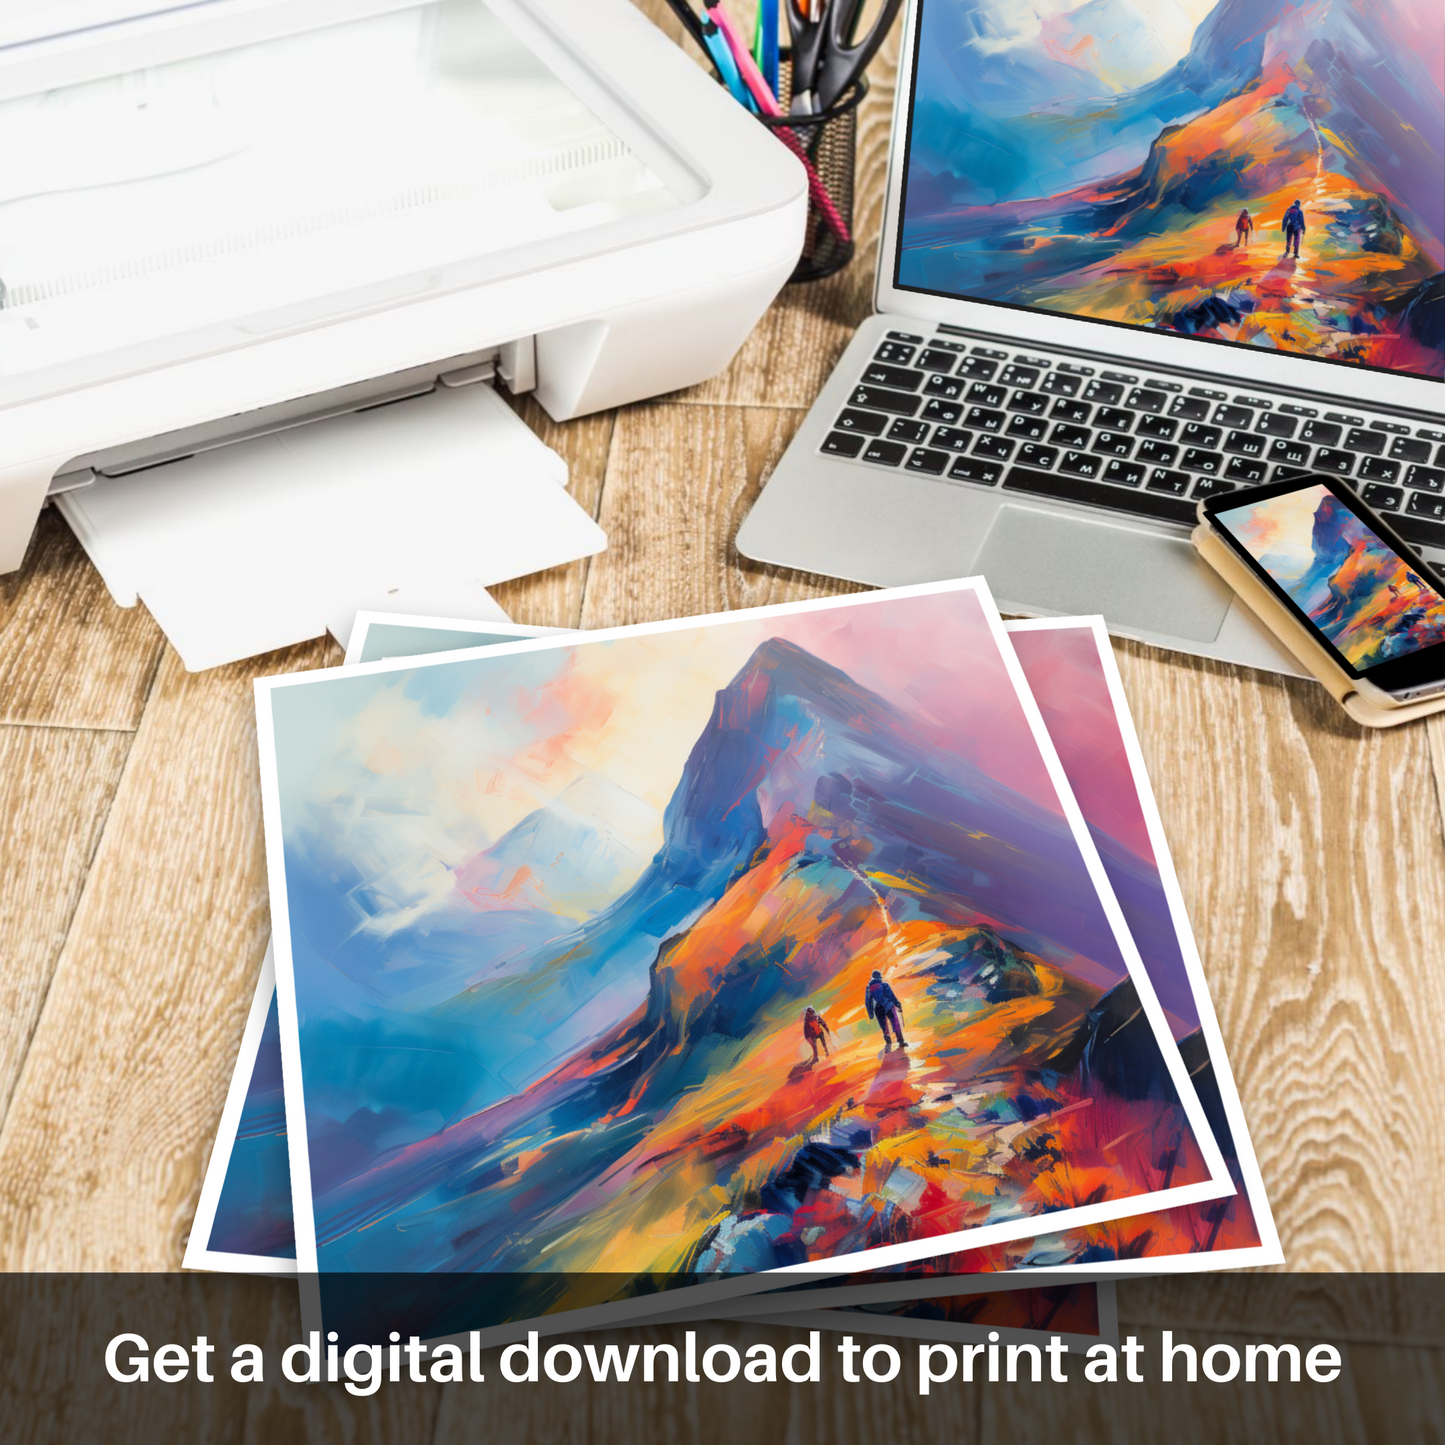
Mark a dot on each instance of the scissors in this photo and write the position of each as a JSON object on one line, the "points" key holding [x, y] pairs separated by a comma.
{"points": [[828, 56]]}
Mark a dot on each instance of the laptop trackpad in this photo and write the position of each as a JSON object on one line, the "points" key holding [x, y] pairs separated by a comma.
{"points": [[1156, 584]]}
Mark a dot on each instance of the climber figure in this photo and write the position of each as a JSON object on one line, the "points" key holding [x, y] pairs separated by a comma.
{"points": [[816, 1031], [1293, 227], [883, 1005], [1243, 225]]}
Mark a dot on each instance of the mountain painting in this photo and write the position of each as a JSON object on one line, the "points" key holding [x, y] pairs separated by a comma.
{"points": [[553, 919], [1266, 172], [1349, 582]]}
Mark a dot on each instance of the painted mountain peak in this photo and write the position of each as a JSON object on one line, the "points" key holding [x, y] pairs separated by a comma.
{"points": [[1101, 168], [635, 1096]]}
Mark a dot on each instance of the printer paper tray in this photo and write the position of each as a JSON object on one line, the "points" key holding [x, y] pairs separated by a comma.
{"points": [[417, 506]]}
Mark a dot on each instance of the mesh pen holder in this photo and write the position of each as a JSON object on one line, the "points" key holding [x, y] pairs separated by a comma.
{"points": [[827, 144]]}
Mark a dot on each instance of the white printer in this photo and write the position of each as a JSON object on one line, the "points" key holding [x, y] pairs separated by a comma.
{"points": [[225, 220]]}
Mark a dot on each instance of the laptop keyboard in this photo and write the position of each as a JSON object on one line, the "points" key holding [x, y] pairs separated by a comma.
{"points": [[1141, 443]]}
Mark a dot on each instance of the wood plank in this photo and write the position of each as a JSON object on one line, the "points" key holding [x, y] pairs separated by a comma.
{"points": [[69, 657], [102, 1149], [709, 1413], [56, 786], [1313, 866], [680, 480], [554, 598], [1353, 1409]]}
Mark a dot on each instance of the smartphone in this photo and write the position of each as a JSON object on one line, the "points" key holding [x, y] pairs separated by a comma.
{"points": [[1369, 598]]}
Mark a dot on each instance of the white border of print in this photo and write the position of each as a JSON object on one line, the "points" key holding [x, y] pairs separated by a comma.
{"points": [[1217, 1185], [839, 1318], [199, 1254]]}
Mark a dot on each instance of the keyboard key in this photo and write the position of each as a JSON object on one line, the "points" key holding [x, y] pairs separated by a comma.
{"points": [[867, 422], [1157, 426], [1212, 486], [1161, 479], [1332, 459], [1075, 411], [1081, 464], [1258, 402], [1209, 393], [1407, 449], [904, 429], [1031, 428], [1377, 469], [1113, 418], [1418, 530], [1272, 424], [955, 439], [935, 360], [1124, 474], [1060, 383], [1035, 403], [977, 368], [948, 387], [995, 447], [1112, 444], [1196, 459], [1016, 375], [1037, 456], [1235, 416], [1344, 418], [1430, 434], [877, 374], [981, 419], [1427, 479], [1099, 494], [924, 459], [936, 409], [1421, 505], [878, 398], [1195, 435], [1293, 410], [843, 444], [905, 336], [1244, 444], [1107, 392], [1395, 428], [1440, 457], [1070, 436], [983, 351], [1077, 370], [1288, 474], [1371, 443], [959, 347], [1127, 377], [895, 353], [1144, 398], [1189, 408], [1292, 454], [886, 454], [1156, 454], [1243, 469], [984, 395], [971, 469], [1322, 433], [1382, 498]]}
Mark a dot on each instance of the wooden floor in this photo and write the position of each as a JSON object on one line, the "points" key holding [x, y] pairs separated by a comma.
{"points": [[133, 908]]}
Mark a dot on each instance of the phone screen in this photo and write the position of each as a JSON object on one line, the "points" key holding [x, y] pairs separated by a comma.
{"points": [[1374, 605]]}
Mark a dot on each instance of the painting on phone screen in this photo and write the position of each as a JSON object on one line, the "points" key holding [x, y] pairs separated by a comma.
{"points": [[1370, 603]]}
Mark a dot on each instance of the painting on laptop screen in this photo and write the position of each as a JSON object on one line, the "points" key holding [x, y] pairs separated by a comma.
{"points": [[1264, 172]]}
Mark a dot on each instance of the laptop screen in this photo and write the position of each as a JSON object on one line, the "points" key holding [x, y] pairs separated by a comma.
{"points": [[1266, 173]]}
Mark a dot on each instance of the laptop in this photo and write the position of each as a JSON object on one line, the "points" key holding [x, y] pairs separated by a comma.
{"points": [[1130, 259]]}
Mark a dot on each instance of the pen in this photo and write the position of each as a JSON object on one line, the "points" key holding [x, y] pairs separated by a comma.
{"points": [[765, 42]]}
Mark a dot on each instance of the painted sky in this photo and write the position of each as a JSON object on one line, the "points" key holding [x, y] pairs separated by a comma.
{"points": [[1279, 528], [417, 772]]}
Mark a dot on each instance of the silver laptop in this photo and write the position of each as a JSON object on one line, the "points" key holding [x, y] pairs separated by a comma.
{"points": [[1095, 305]]}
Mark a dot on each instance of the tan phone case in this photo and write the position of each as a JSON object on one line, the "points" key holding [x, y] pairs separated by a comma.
{"points": [[1302, 642]]}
